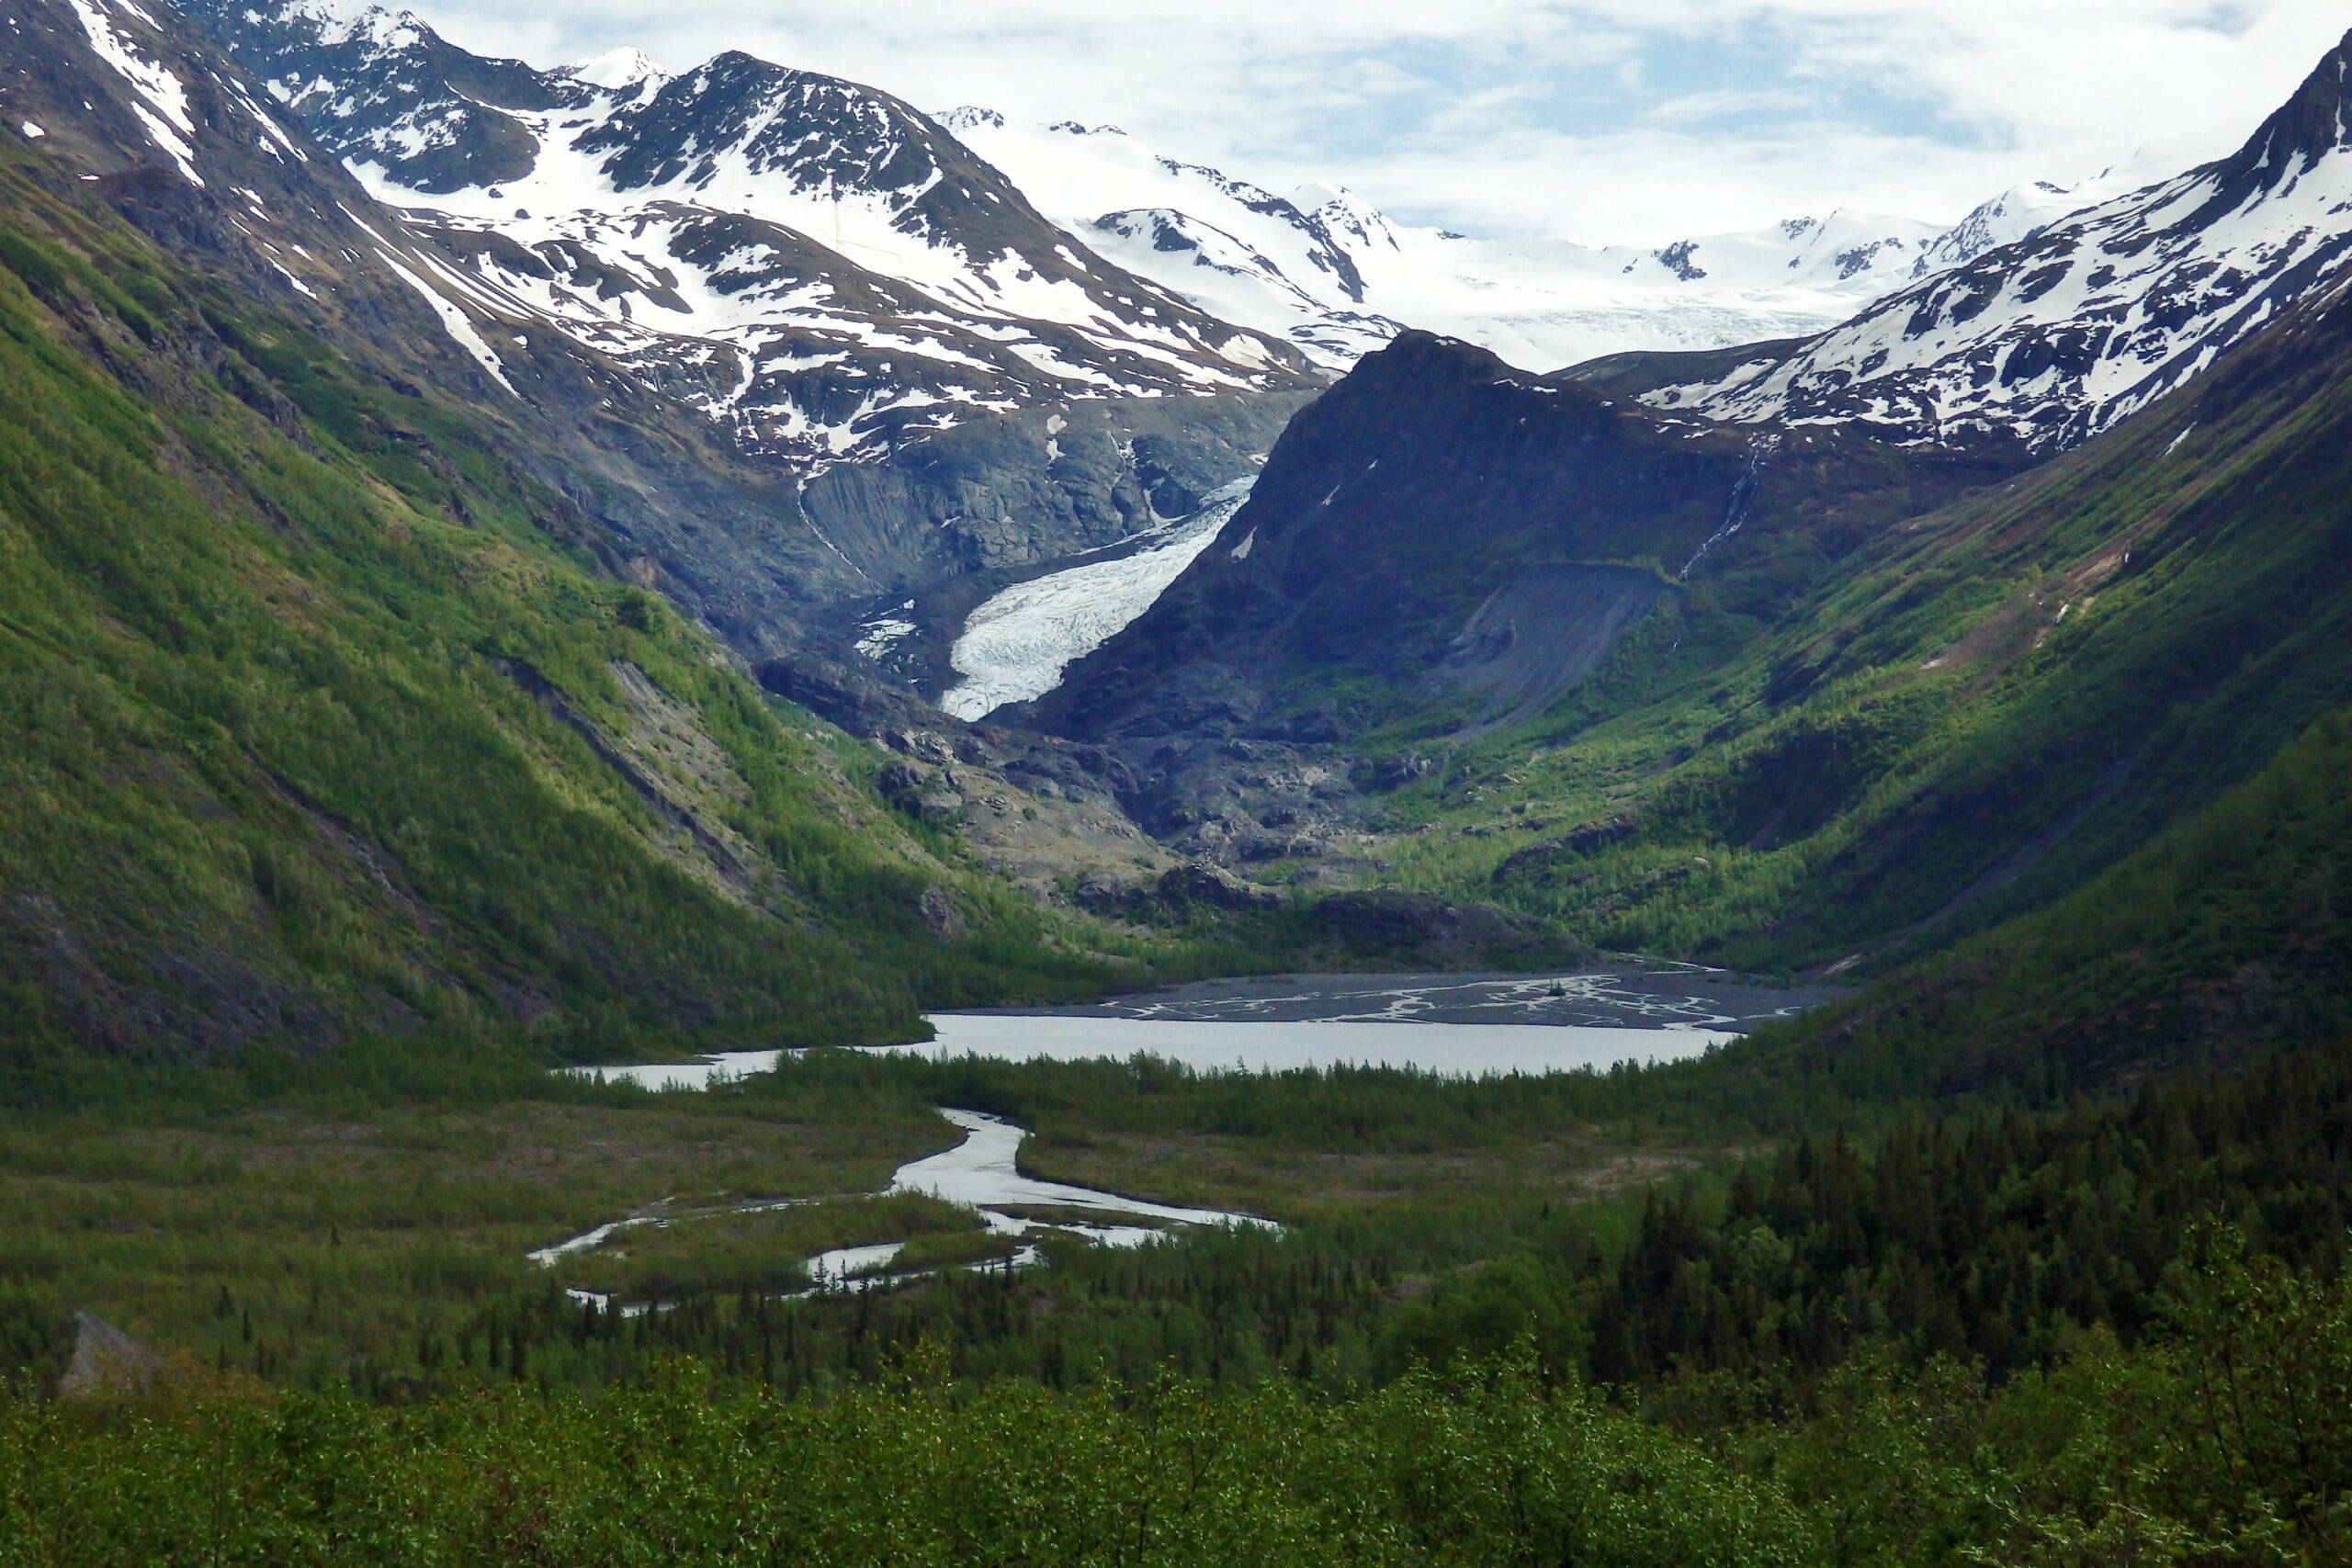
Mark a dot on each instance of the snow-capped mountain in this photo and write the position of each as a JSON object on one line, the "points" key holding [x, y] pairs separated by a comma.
{"points": [[123, 96], [127, 104], [2022, 211], [1328, 271], [815, 266], [2054, 337]]}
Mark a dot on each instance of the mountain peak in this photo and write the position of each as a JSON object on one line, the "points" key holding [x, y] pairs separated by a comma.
{"points": [[2309, 125], [347, 21], [615, 70], [2051, 313], [969, 117]]}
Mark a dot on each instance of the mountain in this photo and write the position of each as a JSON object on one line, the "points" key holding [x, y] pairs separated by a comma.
{"points": [[149, 117], [1441, 545], [322, 725], [777, 552], [817, 269], [1329, 271], [2019, 213], [2057, 337], [1823, 721], [1776, 690]]}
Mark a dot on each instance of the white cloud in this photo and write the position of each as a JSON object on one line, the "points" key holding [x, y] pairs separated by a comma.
{"points": [[1600, 119]]}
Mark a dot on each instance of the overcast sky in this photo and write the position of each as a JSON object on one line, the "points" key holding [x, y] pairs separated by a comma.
{"points": [[1604, 120]]}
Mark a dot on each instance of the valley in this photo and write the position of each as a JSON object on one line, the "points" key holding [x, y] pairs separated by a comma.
{"points": [[738, 821]]}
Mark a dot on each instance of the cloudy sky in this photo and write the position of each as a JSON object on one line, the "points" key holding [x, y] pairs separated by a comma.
{"points": [[1594, 119]]}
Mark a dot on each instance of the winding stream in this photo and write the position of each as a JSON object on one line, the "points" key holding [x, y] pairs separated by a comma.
{"points": [[982, 1172], [1449, 1026]]}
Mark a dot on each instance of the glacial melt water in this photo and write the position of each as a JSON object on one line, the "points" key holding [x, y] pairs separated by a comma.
{"points": [[982, 1171]]}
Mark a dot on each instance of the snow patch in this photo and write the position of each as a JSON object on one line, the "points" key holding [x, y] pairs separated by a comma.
{"points": [[455, 322], [884, 633], [162, 99], [617, 70]]}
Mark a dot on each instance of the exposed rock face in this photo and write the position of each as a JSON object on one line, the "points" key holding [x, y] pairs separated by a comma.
{"points": [[1006, 491], [1423, 929], [1408, 930], [1440, 535], [105, 1360], [1197, 884], [1589, 839], [939, 914]]}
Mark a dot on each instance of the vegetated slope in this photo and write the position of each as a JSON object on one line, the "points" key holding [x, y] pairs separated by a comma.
{"points": [[2057, 337], [315, 728], [1995, 702], [2223, 938]]}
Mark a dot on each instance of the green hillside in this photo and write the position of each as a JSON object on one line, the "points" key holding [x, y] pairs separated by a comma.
{"points": [[321, 726], [2227, 936], [1975, 713]]}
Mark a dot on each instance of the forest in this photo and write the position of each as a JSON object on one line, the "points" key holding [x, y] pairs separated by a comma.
{"points": [[2114, 1332]]}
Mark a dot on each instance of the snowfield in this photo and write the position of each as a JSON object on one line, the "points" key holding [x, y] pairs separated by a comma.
{"points": [[1325, 269]]}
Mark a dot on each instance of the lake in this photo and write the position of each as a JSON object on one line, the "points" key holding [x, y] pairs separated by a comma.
{"points": [[1447, 1025]]}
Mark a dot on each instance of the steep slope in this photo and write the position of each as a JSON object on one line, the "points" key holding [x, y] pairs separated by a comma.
{"points": [[1986, 707], [2060, 335], [315, 729], [1393, 531], [2023, 212], [1324, 269], [668, 492], [2219, 940], [245, 196], [818, 269]]}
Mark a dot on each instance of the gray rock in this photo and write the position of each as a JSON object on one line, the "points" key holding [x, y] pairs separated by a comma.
{"points": [[105, 1360], [1195, 882]]}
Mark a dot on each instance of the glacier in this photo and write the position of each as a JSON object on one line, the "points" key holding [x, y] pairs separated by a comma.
{"points": [[1016, 645]]}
